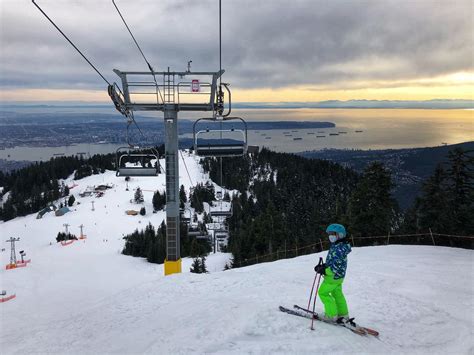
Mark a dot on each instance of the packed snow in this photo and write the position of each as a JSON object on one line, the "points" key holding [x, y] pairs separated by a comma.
{"points": [[88, 298]]}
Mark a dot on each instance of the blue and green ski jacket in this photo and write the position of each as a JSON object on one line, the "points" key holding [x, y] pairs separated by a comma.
{"points": [[337, 258]]}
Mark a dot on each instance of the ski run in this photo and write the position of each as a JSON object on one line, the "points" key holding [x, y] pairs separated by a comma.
{"points": [[88, 298]]}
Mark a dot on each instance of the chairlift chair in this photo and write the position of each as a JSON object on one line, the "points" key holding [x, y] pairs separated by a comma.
{"points": [[135, 155], [220, 212], [219, 147], [197, 233], [183, 218]]}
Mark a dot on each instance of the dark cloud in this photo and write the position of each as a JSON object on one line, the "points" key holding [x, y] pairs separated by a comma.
{"points": [[270, 43]]}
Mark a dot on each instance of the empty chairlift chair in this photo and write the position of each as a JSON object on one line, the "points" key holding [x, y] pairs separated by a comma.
{"points": [[231, 142], [137, 162], [221, 210]]}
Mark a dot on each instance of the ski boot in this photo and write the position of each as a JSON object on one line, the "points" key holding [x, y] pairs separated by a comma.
{"points": [[347, 322]]}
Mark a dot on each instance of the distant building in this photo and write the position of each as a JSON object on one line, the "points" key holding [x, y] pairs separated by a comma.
{"points": [[102, 187], [62, 211], [45, 210]]}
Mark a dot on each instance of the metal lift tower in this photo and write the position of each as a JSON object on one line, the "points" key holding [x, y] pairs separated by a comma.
{"points": [[178, 91]]}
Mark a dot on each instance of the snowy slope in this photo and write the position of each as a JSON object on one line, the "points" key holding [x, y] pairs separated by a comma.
{"points": [[87, 298], [420, 298]]}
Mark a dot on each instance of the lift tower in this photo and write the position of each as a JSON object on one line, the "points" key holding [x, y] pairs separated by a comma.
{"points": [[175, 92], [170, 95]]}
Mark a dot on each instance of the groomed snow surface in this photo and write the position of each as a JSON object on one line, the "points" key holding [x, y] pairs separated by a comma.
{"points": [[87, 298]]}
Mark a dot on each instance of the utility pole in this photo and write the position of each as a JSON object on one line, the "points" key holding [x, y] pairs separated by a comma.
{"points": [[93, 205], [12, 249], [66, 226]]}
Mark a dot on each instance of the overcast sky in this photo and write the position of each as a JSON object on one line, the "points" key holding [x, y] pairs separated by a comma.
{"points": [[271, 45]]}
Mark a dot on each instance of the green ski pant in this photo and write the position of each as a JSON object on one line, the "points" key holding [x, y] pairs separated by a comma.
{"points": [[332, 297]]}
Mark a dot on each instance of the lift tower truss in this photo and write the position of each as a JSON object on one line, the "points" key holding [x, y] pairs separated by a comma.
{"points": [[176, 91]]}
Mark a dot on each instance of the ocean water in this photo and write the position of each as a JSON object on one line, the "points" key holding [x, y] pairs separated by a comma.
{"points": [[381, 128], [363, 129]]}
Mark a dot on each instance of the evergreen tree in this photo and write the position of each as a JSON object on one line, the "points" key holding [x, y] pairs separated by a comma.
{"points": [[182, 196], [203, 265], [159, 201], [142, 211], [446, 203], [372, 209], [206, 218], [196, 266], [460, 190], [138, 197], [431, 206], [71, 200], [62, 236]]}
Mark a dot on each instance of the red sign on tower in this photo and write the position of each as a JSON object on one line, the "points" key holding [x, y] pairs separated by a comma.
{"points": [[195, 87]]}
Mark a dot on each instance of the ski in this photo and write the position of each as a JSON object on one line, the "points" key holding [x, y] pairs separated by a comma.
{"points": [[303, 314], [367, 330]]}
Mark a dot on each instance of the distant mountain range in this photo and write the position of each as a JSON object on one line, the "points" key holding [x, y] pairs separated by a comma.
{"points": [[401, 104], [393, 104]]}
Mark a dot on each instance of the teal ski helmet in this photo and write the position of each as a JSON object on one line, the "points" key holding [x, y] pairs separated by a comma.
{"points": [[338, 229]]}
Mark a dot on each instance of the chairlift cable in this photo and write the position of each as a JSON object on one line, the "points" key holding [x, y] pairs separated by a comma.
{"points": [[158, 92], [132, 117], [186, 168], [190, 180], [72, 44], [220, 41]]}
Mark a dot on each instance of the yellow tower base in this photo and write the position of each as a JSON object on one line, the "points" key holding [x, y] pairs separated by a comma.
{"points": [[172, 267]]}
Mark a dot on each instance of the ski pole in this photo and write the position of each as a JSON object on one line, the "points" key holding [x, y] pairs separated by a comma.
{"points": [[312, 287], [314, 303]]}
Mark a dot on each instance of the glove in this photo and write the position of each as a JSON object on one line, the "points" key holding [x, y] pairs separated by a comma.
{"points": [[320, 269]]}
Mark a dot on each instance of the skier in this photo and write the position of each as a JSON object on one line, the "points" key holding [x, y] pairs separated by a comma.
{"points": [[334, 271]]}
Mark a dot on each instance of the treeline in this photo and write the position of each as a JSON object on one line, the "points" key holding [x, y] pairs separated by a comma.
{"points": [[199, 194], [151, 244], [446, 203], [287, 201], [36, 186]]}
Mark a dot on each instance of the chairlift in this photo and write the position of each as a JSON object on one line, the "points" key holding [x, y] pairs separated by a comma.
{"points": [[198, 233], [133, 161], [183, 218], [220, 212], [222, 147]]}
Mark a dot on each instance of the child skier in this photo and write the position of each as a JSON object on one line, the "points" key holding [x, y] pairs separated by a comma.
{"points": [[334, 271]]}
